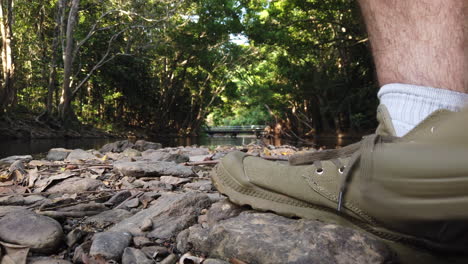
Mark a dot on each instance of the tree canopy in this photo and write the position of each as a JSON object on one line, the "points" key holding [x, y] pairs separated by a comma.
{"points": [[172, 66]]}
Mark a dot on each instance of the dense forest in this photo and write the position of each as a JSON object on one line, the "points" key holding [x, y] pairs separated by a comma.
{"points": [[173, 66]]}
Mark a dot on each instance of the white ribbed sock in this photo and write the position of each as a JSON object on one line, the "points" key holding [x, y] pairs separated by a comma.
{"points": [[410, 104]]}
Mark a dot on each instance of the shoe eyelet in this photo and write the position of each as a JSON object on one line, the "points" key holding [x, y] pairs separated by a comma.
{"points": [[341, 170], [319, 171]]}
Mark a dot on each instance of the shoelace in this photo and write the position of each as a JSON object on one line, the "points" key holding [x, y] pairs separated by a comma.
{"points": [[361, 151]]}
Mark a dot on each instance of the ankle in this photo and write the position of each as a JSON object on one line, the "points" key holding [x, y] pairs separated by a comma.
{"points": [[409, 104]]}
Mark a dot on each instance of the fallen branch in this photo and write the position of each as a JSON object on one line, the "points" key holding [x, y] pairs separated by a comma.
{"points": [[60, 214]]}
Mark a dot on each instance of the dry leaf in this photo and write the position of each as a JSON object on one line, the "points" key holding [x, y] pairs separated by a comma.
{"points": [[33, 175], [14, 254]]}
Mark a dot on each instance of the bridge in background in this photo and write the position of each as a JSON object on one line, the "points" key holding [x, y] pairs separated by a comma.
{"points": [[257, 130]]}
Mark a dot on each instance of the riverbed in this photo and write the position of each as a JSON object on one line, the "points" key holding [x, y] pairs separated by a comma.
{"points": [[38, 146]]}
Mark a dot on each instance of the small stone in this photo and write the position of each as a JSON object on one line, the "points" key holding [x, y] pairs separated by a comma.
{"points": [[40, 233], [222, 210], [171, 259], [57, 154], [119, 197], [135, 256], [110, 245], [132, 153], [79, 154], [203, 185], [47, 260], [173, 180], [146, 225], [108, 218], [141, 241], [143, 145], [132, 203], [81, 252], [155, 251], [214, 261], [178, 158], [74, 236]]}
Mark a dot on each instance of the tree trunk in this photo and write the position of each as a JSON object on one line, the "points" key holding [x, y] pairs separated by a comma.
{"points": [[7, 93], [51, 87], [65, 110]]}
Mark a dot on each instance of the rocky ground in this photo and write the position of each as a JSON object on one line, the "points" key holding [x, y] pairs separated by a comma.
{"points": [[140, 203]]}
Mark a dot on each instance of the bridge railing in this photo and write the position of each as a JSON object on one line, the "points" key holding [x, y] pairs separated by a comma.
{"points": [[236, 128]]}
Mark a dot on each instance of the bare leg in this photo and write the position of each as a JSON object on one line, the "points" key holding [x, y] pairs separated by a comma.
{"points": [[420, 42]]}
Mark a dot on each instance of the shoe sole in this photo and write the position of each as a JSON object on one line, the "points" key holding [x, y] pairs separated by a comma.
{"points": [[410, 249]]}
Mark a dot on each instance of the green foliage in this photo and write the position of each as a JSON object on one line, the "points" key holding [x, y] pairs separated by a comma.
{"points": [[173, 65]]}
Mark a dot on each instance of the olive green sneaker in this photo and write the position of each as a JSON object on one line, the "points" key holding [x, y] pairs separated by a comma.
{"points": [[411, 192]]}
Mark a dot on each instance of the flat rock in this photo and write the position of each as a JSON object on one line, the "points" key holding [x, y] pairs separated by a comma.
{"points": [[40, 233], [192, 151], [173, 180], [135, 256], [110, 245], [223, 210], [76, 184], [47, 260], [11, 159], [108, 218], [198, 158], [214, 261], [269, 238], [203, 185], [57, 154], [155, 168], [169, 214], [79, 154]]}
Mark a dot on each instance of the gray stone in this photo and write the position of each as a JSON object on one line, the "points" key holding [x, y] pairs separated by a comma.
{"points": [[169, 214], [57, 154], [11, 159], [76, 184], [119, 197], [117, 146], [81, 252], [222, 210], [198, 158], [110, 245], [178, 158], [79, 154], [47, 260], [108, 218], [4, 210], [135, 256], [40, 233], [132, 203], [204, 186], [214, 261], [269, 238], [143, 145], [155, 155], [173, 180], [141, 241], [153, 251], [128, 152], [155, 168], [191, 151]]}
